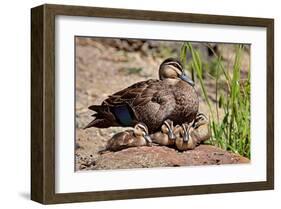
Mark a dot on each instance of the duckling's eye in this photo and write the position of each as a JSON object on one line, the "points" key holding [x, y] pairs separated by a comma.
{"points": [[181, 133], [141, 128], [201, 120], [142, 131], [165, 129]]}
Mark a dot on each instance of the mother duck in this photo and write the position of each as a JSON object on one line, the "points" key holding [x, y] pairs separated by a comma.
{"points": [[151, 102]]}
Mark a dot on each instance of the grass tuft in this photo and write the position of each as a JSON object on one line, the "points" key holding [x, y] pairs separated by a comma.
{"points": [[232, 131]]}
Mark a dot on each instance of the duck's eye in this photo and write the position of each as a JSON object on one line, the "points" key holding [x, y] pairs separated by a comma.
{"points": [[165, 129], [176, 65], [143, 131], [141, 127]]}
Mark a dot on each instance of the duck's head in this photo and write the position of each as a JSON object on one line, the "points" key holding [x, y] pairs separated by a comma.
{"points": [[200, 120], [184, 132], [168, 128], [173, 69], [141, 130]]}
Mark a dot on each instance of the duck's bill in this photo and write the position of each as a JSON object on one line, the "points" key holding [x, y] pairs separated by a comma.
{"points": [[186, 79], [185, 138], [171, 135], [148, 138]]}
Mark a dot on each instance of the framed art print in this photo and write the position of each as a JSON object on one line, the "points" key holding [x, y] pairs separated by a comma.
{"points": [[135, 104]]}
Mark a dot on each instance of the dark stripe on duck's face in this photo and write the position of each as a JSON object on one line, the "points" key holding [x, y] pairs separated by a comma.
{"points": [[143, 127], [175, 64], [123, 114]]}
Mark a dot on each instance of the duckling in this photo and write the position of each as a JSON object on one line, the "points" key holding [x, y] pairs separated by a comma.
{"points": [[166, 136], [183, 139], [129, 138], [189, 135], [200, 128], [172, 96]]}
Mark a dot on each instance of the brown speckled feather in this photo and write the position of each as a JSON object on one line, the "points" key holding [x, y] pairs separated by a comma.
{"points": [[152, 102]]}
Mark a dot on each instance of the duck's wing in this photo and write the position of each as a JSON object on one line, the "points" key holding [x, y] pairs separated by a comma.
{"points": [[150, 102], [118, 109], [133, 95]]}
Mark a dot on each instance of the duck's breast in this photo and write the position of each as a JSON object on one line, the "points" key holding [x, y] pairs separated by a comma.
{"points": [[159, 105], [187, 103]]}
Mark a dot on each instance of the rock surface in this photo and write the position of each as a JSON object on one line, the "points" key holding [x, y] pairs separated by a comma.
{"points": [[159, 156]]}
